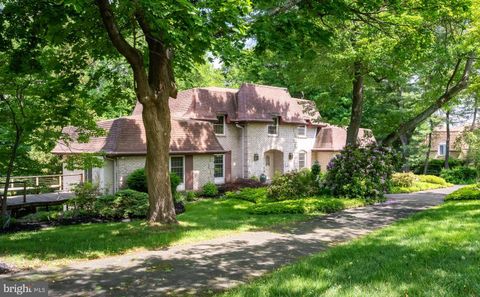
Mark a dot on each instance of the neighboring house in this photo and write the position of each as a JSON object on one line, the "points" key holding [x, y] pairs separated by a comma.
{"points": [[218, 135], [439, 142]]}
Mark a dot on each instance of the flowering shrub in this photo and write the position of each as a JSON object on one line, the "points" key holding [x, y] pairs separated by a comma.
{"points": [[361, 172]]}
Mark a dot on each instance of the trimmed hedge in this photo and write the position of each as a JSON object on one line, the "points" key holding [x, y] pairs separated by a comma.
{"points": [[471, 192], [435, 166], [305, 206], [124, 204]]}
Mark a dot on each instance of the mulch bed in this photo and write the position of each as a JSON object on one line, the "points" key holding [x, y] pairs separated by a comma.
{"points": [[34, 226]]}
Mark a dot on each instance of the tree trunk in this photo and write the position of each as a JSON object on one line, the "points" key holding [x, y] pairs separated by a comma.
{"points": [[475, 111], [156, 118], [447, 143], [153, 90], [450, 93], [357, 105], [405, 152], [13, 156], [429, 148]]}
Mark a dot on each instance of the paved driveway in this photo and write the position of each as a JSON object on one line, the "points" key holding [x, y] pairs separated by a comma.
{"points": [[213, 265]]}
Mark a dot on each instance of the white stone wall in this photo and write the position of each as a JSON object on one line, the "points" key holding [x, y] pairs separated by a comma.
{"points": [[231, 141], [202, 170], [125, 166], [287, 141]]}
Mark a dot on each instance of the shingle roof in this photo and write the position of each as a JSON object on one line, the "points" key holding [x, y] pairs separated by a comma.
{"points": [[333, 138], [126, 136], [250, 103]]}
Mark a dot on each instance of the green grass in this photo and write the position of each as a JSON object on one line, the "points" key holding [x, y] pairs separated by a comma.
{"points": [[203, 220], [433, 253], [418, 186], [305, 206]]}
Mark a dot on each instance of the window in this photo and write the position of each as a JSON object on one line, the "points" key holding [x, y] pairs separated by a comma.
{"points": [[218, 166], [302, 160], [442, 148], [273, 127], [219, 125], [302, 130], [88, 175], [177, 167], [267, 160]]}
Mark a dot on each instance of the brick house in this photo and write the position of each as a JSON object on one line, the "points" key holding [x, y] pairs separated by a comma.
{"points": [[458, 149], [218, 135]]}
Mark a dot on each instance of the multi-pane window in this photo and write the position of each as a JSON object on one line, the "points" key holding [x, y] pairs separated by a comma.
{"points": [[442, 148], [273, 127], [302, 130], [302, 160], [177, 166], [219, 125], [218, 166]]}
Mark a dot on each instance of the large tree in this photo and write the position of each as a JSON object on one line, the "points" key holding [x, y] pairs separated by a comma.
{"points": [[154, 37]]}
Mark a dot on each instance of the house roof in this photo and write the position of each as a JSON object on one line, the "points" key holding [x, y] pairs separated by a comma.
{"points": [[333, 138], [126, 136], [250, 103]]}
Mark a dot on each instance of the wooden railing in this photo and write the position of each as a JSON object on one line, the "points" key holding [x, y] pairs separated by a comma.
{"points": [[11, 189], [40, 183]]}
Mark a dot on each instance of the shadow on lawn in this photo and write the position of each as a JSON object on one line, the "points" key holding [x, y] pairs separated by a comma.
{"points": [[95, 240]]}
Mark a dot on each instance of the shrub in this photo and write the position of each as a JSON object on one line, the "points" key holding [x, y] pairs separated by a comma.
{"points": [[190, 196], [361, 172], [315, 169], [305, 206], [460, 175], [254, 195], [471, 192], [210, 190], [403, 179], [435, 166], [124, 204], [85, 195], [240, 183], [292, 185], [432, 179], [137, 181]]}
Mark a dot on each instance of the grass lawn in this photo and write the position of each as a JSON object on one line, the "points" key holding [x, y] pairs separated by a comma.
{"points": [[433, 253], [203, 220]]}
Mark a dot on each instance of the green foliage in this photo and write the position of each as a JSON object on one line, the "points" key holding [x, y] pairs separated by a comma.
{"points": [[255, 195], [137, 180], [416, 187], [84, 161], [432, 179], [85, 195], [315, 169], [292, 185], [471, 192], [305, 206], [124, 204], [460, 175], [209, 190], [435, 166], [403, 179], [361, 172]]}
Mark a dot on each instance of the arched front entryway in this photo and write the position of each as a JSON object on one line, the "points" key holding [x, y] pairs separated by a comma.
{"points": [[273, 162]]}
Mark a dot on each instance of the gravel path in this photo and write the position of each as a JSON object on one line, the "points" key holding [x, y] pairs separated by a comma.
{"points": [[213, 265]]}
